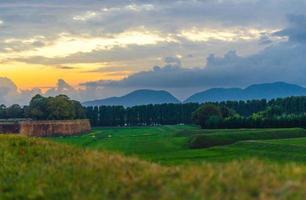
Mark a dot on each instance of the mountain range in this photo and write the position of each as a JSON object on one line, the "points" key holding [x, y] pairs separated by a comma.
{"points": [[138, 97], [256, 91]]}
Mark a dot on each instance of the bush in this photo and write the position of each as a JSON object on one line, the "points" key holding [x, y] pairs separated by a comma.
{"points": [[202, 114], [213, 122], [225, 137], [205, 141]]}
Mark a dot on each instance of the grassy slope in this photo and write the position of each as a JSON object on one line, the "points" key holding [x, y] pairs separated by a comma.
{"points": [[145, 142], [225, 137], [36, 169], [168, 144]]}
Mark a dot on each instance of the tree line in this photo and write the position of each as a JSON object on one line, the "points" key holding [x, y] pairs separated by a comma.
{"points": [[161, 114], [45, 108], [289, 105], [280, 112], [276, 113]]}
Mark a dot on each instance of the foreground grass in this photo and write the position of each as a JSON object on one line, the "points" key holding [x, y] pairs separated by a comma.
{"points": [[37, 169]]}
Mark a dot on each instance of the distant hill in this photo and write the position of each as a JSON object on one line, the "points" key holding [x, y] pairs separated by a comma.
{"points": [[138, 97], [258, 91]]}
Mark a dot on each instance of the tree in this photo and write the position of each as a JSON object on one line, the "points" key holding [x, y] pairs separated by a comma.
{"points": [[79, 110], [14, 111], [202, 114], [227, 112], [60, 108], [54, 108], [3, 112], [214, 122], [38, 107]]}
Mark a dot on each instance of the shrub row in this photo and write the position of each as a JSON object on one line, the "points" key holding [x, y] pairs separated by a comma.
{"points": [[210, 140]]}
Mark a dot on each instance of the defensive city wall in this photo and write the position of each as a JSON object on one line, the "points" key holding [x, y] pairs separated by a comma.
{"points": [[45, 128]]}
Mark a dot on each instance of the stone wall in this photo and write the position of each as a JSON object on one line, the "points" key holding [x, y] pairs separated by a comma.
{"points": [[54, 128], [9, 127]]}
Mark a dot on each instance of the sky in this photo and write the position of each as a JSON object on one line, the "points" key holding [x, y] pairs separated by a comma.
{"points": [[91, 49]]}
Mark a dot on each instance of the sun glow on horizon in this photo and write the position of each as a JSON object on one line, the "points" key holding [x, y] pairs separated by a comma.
{"points": [[44, 77]]}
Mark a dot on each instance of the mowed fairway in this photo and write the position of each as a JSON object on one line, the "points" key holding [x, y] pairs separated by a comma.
{"points": [[170, 144]]}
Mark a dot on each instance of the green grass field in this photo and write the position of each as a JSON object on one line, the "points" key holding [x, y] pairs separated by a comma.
{"points": [[32, 168], [112, 163], [170, 144]]}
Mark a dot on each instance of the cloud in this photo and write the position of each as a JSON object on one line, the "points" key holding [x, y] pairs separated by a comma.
{"points": [[67, 44], [139, 8], [106, 31], [7, 89], [296, 32], [172, 61], [229, 35], [62, 87], [87, 16], [12, 45], [9, 93], [283, 61], [109, 70], [65, 67]]}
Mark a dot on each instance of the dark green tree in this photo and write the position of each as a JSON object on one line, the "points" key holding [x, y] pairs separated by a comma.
{"points": [[3, 112], [38, 107], [60, 108], [202, 114], [14, 111], [79, 110], [54, 108]]}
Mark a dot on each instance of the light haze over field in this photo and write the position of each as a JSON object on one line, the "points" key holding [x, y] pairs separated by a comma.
{"points": [[98, 49]]}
